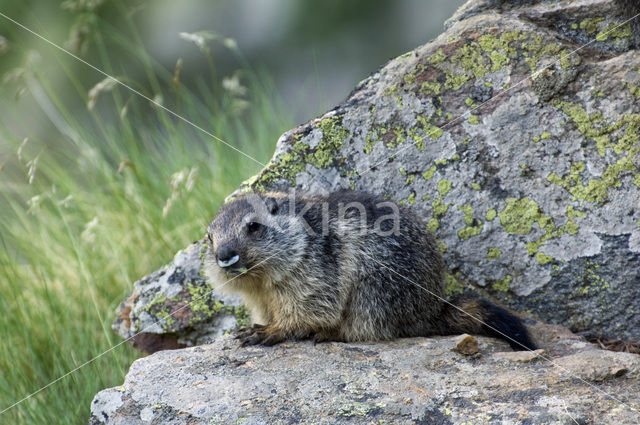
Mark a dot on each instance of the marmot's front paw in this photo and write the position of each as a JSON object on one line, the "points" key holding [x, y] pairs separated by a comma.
{"points": [[260, 334]]}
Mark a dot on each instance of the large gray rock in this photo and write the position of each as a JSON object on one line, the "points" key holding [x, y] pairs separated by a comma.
{"points": [[174, 307], [531, 186], [410, 381]]}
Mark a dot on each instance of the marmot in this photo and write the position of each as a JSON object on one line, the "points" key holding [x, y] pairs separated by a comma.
{"points": [[347, 267]]}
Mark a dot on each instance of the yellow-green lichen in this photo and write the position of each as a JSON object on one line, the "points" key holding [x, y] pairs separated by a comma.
{"points": [[469, 231], [433, 224], [551, 231], [417, 133], [429, 129], [391, 90], [633, 89], [373, 137], [520, 214], [493, 253], [491, 214], [429, 173], [543, 258], [474, 226], [439, 208], [475, 186], [593, 126], [498, 60], [202, 303], [418, 140], [473, 119], [242, 315], [356, 408], [488, 53], [444, 186], [502, 285], [160, 309], [592, 282], [614, 30], [441, 246], [430, 88], [409, 78], [333, 136], [452, 285], [246, 185], [323, 155], [204, 249], [591, 25], [594, 191], [437, 57], [571, 227], [468, 213], [590, 125], [204, 306], [534, 49]]}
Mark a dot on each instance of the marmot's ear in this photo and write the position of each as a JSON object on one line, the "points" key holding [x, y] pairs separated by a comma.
{"points": [[271, 204]]}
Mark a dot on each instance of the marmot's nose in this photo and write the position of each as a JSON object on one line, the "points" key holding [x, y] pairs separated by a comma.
{"points": [[227, 256]]}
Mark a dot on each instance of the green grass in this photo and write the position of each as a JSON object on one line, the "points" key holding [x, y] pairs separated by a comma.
{"points": [[95, 218]]}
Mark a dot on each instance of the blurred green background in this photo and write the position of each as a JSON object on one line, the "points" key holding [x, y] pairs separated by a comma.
{"points": [[99, 187]]}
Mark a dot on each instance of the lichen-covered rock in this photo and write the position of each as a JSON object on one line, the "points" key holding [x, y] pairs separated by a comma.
{"points": [[528, 176], [174, 307], [532, 185], [410, 381]]}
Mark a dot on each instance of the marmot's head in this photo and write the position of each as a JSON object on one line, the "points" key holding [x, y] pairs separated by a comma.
{"points": [[254, 236]]}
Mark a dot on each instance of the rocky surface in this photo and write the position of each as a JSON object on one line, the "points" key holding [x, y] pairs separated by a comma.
{"points": [[530, 185], [409, 381], [174, 307]]}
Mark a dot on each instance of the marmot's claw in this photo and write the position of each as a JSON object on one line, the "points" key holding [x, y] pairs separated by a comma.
{"points": [[270, 340], [259, 334], [322, 337], [247, 330]]}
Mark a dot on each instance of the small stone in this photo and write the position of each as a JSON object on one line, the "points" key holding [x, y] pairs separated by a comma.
{"points": [[618, 372], [466, 344]]}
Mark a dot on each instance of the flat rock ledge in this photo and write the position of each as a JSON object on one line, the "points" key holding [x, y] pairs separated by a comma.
{"points": [[407, 381]]}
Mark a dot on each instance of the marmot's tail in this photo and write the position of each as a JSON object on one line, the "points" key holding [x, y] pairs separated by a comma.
{"points": [[488, 319]]}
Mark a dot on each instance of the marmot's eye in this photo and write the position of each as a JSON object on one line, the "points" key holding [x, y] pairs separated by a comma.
{"points": [[252, 226]]}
